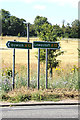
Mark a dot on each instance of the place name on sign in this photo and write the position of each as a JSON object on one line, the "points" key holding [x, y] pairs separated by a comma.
{"points": [[21, 45], [44, 45]]}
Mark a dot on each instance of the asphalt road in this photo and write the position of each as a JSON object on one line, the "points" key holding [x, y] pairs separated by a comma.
{"points": [[51, 111]]}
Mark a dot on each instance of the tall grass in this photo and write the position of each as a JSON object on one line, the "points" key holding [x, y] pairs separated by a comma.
{"points": [[62, 78]]}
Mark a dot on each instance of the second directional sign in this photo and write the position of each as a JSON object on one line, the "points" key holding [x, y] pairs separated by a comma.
{"points": [[21, 45], [44, 45]]}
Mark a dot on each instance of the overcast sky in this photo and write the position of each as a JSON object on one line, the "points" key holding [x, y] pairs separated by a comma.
{"points": [[55, 10]]}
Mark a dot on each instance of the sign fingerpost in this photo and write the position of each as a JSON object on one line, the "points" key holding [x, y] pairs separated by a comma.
{"points": [[45, 45]]}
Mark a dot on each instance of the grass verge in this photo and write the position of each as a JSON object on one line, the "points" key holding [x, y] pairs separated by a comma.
{"points": [[23, 94]]}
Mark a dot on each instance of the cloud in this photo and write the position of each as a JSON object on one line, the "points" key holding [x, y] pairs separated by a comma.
{"points": [[40, 7]]}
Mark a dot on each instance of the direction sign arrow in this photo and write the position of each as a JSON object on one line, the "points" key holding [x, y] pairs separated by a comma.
{"points": [[44, 45], [21, 45]]}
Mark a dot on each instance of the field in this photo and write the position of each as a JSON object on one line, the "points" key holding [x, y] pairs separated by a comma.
{"points": [[69, 46], [64, 77]]}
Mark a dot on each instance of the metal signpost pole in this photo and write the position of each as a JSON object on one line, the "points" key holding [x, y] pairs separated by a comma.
{"points": [[13, 84], [46, 68], [21, 45], [45, 45], [28, 82], [38, 68]]}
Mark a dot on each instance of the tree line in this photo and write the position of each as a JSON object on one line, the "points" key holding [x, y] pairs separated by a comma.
{"points": [[14, 26]]}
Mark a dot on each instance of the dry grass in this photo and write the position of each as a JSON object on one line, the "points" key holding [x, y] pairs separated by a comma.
{"points": [[68, 60], [70, 56], [24, 94]]}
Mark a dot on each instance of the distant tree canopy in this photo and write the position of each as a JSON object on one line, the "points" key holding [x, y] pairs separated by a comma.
{"points": [[14, 26]]}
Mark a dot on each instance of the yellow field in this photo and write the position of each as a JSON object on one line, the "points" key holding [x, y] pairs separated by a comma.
{"points": [[69, 57]]}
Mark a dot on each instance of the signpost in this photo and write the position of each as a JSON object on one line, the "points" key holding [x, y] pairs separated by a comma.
{"points": [[46, 68], [27, 45], [45, 45], [13, 83], [38, 68], [21, 45], [28, 82]]}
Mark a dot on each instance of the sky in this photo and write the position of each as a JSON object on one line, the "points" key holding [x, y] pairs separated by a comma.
{"points": [[54, 10]]}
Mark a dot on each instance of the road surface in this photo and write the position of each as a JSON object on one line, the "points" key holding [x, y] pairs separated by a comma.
{"points": [[51, 111]]}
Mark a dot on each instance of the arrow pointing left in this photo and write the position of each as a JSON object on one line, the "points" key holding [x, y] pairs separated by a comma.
{"points": [[8, 44]]}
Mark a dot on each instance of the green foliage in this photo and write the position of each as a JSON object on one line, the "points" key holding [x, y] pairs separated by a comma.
{"points": [[57, 30], [12, 25], [32, 32], [47, 33], [38, 22]]}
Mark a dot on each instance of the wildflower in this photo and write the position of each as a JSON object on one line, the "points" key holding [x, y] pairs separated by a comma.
{"points": [[56, 69], [73, 69], [65, 82]]}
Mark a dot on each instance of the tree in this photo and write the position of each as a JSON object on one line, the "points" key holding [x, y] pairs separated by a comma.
{"points": [[32, 30], [57, 30], [38, 22], [75, 30], [5, 15], [47, 34], [11, 25], [67, 31], [17, 26]]}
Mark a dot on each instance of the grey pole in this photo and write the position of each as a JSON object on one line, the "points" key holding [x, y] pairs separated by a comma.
{"points": [[28, 82], [13, 84], [46, 68], [38, 69]]}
